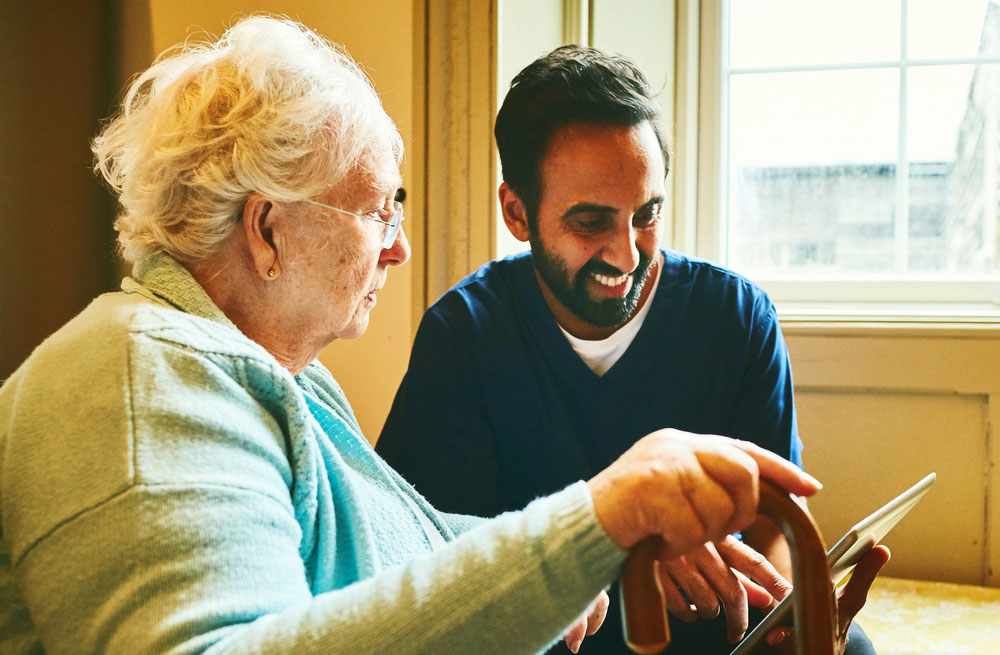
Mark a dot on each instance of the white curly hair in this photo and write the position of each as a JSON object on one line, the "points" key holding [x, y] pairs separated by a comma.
{"points": [[270, 106]]}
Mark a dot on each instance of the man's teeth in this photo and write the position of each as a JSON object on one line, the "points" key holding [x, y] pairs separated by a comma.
{"points": [[610, 281]]}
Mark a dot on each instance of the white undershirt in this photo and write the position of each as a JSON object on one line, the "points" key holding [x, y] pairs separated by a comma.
{"points": [[601, 355]]}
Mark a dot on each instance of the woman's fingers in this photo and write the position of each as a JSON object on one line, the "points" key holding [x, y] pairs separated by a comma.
{"points": [[779, 470], [598, 612], [574, 636], [587, 624]]}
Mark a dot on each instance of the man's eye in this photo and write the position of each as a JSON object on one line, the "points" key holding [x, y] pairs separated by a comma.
{"points": [[589, 222], [647, 217]]}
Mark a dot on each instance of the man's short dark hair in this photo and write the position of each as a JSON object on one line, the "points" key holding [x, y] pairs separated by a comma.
{"points": [[571, 84]]}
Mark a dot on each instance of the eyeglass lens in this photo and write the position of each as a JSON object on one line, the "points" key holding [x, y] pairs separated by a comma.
{"points": [[392, 225]]}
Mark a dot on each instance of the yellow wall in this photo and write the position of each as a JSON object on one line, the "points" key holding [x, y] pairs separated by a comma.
{"points": [[879, 407], [379, 35]]}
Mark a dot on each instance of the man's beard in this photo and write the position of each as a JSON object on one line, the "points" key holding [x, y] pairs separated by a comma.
{"points": [[605, 312]]}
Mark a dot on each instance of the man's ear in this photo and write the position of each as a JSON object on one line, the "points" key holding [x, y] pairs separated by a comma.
{"points": [[514, 213], [258, 223]]}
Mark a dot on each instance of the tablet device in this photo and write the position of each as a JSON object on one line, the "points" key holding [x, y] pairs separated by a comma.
{"points": [[846, 553]]}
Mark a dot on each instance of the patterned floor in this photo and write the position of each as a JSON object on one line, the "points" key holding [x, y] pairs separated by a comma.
{"points": [[908, 617]]}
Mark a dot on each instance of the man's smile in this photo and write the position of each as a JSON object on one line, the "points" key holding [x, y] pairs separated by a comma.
{"points": [[611, 281]]}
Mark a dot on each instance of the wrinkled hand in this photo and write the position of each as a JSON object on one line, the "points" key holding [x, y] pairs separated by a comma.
{"points": [[722, 572], [850, 598], [587, 624], [688, 489]]}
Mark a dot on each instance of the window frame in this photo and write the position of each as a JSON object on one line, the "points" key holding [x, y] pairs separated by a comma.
{"points": [[701, 181]]}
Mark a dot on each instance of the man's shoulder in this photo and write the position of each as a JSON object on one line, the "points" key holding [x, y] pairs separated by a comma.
{"points": [[506, 272], [712, 283], [493, 290], [682, 265]]}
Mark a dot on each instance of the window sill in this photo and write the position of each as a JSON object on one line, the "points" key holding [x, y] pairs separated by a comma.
{"points": [[940, 319]]}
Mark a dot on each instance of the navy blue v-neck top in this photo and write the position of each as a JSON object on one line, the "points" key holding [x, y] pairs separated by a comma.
{"points": [[497, 409]]}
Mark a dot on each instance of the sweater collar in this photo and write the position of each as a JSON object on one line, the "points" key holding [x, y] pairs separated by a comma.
{"points": [[165, 278], [161, 277]]}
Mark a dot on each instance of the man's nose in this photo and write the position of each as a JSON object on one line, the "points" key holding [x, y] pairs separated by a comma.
{"points": [[621, 250]]}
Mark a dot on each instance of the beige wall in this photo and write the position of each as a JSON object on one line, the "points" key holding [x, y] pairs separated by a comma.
{"points": [[379, 34], [880, 407]]}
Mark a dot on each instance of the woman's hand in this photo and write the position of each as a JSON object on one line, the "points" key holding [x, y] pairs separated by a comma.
{"points": [[687, 488], [587, 624]]}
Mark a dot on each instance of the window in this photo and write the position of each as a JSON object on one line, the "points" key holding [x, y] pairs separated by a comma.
{"points": [[859, 143]]}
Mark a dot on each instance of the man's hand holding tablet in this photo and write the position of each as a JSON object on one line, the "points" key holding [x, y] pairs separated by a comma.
{"points": [[857, 550]]}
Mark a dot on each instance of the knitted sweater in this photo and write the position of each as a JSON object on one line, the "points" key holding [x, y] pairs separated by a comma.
{"points": [[167, 487]]}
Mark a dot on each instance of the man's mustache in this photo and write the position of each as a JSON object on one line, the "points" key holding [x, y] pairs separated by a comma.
{"points": [[600, 268]]}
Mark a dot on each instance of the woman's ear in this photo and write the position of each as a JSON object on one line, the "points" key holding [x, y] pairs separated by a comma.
{"points": [[258, 230], [514, 213]]}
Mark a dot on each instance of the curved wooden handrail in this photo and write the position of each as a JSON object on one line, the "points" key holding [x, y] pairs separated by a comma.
{"points": [[644, 608]]}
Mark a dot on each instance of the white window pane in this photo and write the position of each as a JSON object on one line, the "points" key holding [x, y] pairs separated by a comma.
{"points": [[956, 28], [779, 32], [938, 99], [953, 141], [812, 172], [819, 117]]}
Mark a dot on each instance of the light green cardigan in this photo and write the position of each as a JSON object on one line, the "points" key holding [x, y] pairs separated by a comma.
{"points": [[167, 487]]}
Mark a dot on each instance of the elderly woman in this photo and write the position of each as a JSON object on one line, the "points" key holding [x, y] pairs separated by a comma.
{"points": [[178, 474]]}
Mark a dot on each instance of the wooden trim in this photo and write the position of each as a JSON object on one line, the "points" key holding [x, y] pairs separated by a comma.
{"points": [[710, 137], [577, 22], [684, 167], [884, 330], [920, 361], [991, 532], [416, 186], [903, 363], [458, 166]]}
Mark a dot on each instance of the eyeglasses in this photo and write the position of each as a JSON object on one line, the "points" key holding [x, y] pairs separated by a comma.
{"points": [[391, 225]]}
